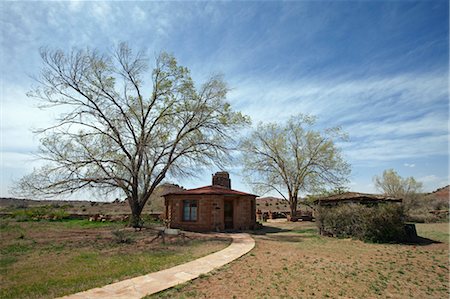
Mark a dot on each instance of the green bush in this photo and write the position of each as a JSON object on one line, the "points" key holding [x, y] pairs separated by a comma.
{"points": [[40, 213], [375, 223]]}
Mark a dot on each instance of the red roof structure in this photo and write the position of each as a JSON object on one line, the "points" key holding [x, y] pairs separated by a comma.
{"points": [[212, 190], [356, 197]]}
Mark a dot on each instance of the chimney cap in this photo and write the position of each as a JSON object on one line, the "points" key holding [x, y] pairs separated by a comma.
{"points": [[222, 173], [221, 178]]}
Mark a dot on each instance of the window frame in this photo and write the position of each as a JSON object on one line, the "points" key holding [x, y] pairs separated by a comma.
{"points": [[190, 202]]}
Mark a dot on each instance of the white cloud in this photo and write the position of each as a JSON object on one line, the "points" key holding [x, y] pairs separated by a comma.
{"points": [[101, 11], [19, 115], [341, 99], [395, 117], [385, 149], [75, 6], [138, 14], [14, 165], [409, 165]]}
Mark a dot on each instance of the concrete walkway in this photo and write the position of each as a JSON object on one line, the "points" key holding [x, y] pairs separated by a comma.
{"points": [[141, 286]]}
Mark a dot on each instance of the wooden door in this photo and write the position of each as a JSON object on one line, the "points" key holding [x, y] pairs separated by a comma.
{"points": [[228, 214]]}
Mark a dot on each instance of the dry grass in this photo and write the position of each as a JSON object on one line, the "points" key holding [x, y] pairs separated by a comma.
{"points": [[48, 259], [291, 261]]}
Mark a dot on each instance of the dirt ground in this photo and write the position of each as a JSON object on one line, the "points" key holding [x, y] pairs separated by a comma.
{"points": [[80, 233], [291, 260]]}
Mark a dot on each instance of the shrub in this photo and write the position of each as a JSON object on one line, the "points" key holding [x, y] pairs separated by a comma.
{"points": [[120, 236], [375, 223], [40, 213], [429, 210], [58, 214], [439, 204]]}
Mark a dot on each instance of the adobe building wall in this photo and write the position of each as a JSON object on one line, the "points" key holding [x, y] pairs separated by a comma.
{"points": [[207, 217], [211, 212], [244, 217]]}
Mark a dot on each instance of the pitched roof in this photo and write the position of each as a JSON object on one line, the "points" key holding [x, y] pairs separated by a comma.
{"points": [[356, 196], [212, 190]]}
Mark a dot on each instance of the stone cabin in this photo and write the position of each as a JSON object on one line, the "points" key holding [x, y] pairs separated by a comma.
{"points": [[211, 208]]}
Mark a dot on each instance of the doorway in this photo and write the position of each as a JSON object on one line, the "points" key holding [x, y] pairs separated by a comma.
{"points": [[228, 214]]}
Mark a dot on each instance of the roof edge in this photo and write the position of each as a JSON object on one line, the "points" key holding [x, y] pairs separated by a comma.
{"points": [[220, 191]]}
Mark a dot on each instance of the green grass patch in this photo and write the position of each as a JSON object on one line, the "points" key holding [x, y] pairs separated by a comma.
{"points": [[16, 248], [60, 247], [306, 231], [85, 223], [48, 212], [6, 261], [86, 270], [64, 260], [6, 225]]}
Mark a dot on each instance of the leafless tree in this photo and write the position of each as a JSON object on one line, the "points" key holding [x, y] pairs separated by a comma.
{"points": [[113, 137], [293, 157]]}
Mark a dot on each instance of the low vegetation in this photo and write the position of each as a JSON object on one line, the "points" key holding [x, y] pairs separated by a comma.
{"points": [[46, 259], [418, 206], [47, 212], [429, 209], [374, 223], [291, 260]]}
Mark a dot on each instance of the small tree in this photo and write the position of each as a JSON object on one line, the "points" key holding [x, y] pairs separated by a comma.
{"points": [[293, 157], [113, 137], [392, 184]]}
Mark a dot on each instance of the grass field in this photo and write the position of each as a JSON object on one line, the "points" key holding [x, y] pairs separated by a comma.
{"points": [[291, 260], [45, 259]]}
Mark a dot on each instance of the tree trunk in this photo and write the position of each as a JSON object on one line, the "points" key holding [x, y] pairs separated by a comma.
{"points": [[293, 206], [136, 211]]}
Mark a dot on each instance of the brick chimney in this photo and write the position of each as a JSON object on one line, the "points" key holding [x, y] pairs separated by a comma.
{"points": [[221, 178]]}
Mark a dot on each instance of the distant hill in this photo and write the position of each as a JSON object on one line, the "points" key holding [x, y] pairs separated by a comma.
{"points": [[154, 205], [441, 193], [156, 201], [273, 204]]}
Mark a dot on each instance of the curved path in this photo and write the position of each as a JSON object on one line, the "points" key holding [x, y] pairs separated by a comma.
{"points": [[141, 286]]}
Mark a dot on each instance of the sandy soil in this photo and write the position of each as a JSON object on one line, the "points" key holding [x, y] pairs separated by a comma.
{"points": [[292, 261]]}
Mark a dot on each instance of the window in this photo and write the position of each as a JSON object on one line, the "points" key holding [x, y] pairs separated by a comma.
{"points": [[190, 210]]}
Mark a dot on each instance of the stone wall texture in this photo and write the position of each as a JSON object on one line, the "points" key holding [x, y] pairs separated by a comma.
{"points": [[211, 212]]}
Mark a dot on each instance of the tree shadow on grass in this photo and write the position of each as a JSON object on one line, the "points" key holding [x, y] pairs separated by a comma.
{"points": [[270, 230], [285, 238], [273, 233]]}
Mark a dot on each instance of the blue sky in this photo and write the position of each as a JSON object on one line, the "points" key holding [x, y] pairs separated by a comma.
{"points": [[379, 69]]}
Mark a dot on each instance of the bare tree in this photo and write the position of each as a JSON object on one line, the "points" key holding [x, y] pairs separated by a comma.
{"points": [[293, 157], [113, 137]]}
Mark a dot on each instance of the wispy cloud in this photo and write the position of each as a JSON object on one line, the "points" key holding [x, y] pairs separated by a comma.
{"points": [[344, 99], [381, 74], [387, 117]]}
